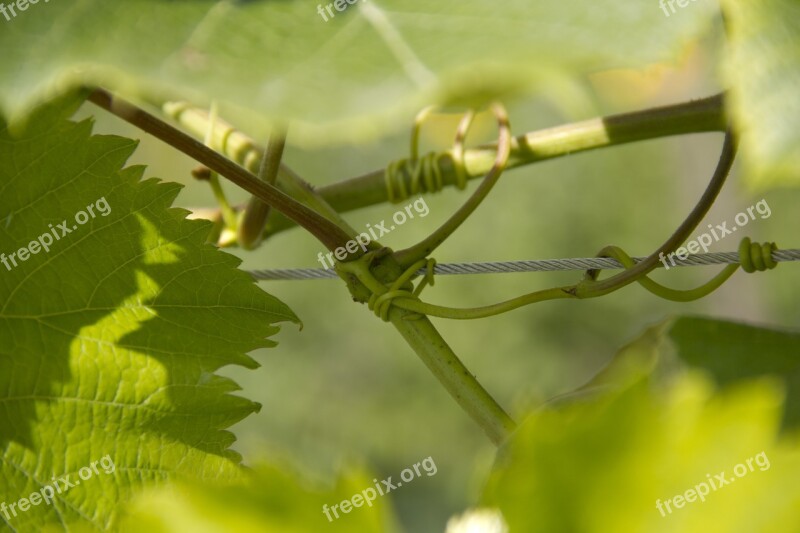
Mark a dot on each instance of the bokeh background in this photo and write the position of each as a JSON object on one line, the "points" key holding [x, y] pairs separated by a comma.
{"points": [[346, 389]]}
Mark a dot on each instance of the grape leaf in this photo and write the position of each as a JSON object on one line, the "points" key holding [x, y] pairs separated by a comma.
{"points": [[606, 466], [112, 330], [727, 352], [732, 352], [763, 71], [346, 79], [269, 499]]}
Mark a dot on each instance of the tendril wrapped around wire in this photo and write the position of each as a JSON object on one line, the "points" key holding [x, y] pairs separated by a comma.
{"points": [[752, 257]]}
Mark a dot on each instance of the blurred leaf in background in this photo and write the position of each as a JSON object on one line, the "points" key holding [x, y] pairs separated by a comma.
{"points": [[346, 79], [731, 352], [272, 499], [763, 71], [639, 461], [652, 426]]}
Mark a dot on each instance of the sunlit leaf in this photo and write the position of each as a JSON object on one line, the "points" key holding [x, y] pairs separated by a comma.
{"points": [[112, 329]]}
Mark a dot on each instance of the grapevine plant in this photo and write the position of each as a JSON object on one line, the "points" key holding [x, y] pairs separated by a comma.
{"points": [[118, 310]]}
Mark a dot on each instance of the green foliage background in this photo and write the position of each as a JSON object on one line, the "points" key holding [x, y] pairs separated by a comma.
{"points": [[346, 390]]}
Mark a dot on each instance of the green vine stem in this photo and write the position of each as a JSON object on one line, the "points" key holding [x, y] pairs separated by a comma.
{"points": [[698, 116], [254, 218], [420, 334], [299, 189], [328, 233], [417, 330], [462, 385], [369, 276], [589, 287]]}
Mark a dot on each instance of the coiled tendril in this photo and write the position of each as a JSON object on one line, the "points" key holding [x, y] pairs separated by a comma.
{"points": [[756, 257], [752, 257], [425, 173], [381, 304]]}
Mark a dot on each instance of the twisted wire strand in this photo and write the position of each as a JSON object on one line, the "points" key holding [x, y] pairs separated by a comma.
{"points": [[541, 265]]}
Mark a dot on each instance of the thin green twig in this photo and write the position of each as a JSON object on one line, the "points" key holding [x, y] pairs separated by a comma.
{"points": [[324, 230], [251, 228]]}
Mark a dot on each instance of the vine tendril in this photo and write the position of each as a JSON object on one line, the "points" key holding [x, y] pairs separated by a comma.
{"points": [[752, 257], [425, 174], [425, 247]]}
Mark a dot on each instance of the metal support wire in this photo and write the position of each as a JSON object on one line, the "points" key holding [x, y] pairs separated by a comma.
{"points": [[542, 265]]}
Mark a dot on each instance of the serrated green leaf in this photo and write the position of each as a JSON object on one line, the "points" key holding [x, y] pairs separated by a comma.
{"points": [[342, 80], [604, 466], [763, 70], [269, 499], [111, 338]]}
